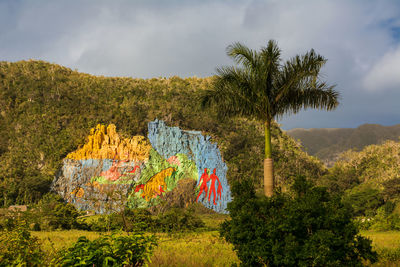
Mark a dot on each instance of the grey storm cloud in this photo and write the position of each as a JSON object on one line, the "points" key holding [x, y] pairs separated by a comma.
{"points": [[360, 39]]}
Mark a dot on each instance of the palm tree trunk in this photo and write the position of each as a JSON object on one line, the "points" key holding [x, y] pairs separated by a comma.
{"points": [[268, 162]]}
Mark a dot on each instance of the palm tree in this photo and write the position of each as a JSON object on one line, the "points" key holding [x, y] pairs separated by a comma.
{"points": [[263, 88]]}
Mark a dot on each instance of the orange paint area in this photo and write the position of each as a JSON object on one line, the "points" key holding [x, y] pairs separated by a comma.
{"points": [[112, 174], [174, 160], [105, 143], [156, 184], [78, 192]]}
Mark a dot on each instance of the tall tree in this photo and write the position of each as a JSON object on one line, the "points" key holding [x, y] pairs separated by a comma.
{"points": [[264, 88]]}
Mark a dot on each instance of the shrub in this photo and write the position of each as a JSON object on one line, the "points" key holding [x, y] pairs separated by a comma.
{"points": [[7, 223], [308, 227], [128, 220], [53, 213], [384, 221], [132, 250], [391, 189], [19, 248], [178, 220], [364, 199], [138, 220], [105, 223]]}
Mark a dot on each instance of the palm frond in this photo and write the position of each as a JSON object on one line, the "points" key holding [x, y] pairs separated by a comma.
{"points": [[241, 54], [262, 88], [320, 96], [298, 70], [234, 94]]}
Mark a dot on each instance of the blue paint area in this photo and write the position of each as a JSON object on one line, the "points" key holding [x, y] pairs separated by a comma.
{"points": [[79, 173], [169, 141]]}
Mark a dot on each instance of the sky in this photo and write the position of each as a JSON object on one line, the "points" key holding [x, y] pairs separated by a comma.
{"points": [[149, 38]]}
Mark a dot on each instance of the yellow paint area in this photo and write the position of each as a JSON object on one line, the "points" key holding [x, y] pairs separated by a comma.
{"points": [[105, 143], [152, 187], [78, 192], [96, 185]]}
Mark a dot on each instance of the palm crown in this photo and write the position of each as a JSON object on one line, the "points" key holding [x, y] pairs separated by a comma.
{"points": [[263, 88]]}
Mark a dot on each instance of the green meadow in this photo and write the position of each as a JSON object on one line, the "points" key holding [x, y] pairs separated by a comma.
{"points": [[206, 248]]}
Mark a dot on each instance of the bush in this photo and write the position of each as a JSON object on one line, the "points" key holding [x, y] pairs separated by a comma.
{"points": [[130, 220], [308, 227], [384, 221], [364, 199], [105, 223], [7, 223], [138, 220], [53, 213], [132, 250], [19, 248], [178, 220]]}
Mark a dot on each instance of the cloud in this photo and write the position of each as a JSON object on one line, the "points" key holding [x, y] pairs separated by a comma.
{"points": [[153, 38], [385, 74]]}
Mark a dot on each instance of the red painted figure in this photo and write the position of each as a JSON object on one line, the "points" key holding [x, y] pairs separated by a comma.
{"points": [[203, 187], [137, 188], [213, 178], [133, 171], [219, 191]]}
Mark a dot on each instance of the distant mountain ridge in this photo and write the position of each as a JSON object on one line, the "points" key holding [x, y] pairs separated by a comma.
{"points": [[327, 143]]}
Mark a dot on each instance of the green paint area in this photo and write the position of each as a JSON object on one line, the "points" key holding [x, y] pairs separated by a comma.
{"points": [[184, 168], [128, 179]]}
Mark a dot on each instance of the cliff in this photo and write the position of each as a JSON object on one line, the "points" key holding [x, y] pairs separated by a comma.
{"points": [[109, 171]]}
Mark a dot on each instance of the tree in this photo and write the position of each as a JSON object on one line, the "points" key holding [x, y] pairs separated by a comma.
{"points": [[306, 226], [263, 88]]}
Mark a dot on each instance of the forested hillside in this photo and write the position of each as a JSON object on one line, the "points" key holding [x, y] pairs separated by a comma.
{"points": [[369, 180], [47, 110], [327, 144]]}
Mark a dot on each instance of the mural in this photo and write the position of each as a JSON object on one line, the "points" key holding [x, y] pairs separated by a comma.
{"points": [[109, 170]]}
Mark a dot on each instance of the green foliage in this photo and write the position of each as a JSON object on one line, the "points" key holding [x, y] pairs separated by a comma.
{"points": [[50, 213], [53, 213], [19, 248], [105, 223], [392, 189], [364, 199], [326, 144], [178, 220], [387, 255], [384, 220], [138, 220], [173, 220], [46, 111], [262, 88], [130, 220], [337, 181], [308, 227], [375, 164], [114, 250]]}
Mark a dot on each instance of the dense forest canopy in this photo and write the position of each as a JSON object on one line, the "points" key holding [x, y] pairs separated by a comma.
{"points": [[47, 111]]}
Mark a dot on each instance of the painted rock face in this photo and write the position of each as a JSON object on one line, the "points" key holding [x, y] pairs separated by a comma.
{"points": [[110, 171]]}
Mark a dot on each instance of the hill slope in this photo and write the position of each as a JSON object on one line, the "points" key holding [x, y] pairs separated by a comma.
{"points": [[327, 144], [46, 111]]}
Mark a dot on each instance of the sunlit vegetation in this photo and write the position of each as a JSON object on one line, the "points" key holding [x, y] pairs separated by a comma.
{"points": [[46, 111], [328, 143]]}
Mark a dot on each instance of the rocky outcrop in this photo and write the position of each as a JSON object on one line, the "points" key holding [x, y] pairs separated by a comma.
{"points": [[169, 141], [109, 171], [106, 143]]}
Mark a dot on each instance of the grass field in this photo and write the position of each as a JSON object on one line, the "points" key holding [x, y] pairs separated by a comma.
{"points": [[387, 244], [184, 249], [206, 248]]}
